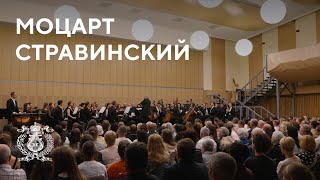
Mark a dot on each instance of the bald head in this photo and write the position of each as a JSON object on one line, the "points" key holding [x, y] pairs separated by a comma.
{"points": [[5, 154]]}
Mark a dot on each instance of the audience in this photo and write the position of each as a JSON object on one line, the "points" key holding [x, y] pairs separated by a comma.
{"points": [[122, 132], [118, 169], [6, 139], [240, 153], [186, 168], [90, 168], [297, 171], [6, 171], [110, 153], [136, 158], [222, 166]]}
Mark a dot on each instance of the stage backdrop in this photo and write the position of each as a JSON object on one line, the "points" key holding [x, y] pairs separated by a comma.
{"points": [[100, 81]]}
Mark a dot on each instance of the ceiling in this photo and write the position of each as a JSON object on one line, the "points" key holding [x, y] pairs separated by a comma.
{"points": [[232, 20]]}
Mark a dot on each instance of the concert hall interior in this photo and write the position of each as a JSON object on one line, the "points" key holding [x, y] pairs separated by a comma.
{"points": [[164, 61]]}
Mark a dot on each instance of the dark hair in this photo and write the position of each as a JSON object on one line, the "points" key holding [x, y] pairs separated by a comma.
{"points": [[114, 127], [69, 103], [179, 128], [191, 134], [60, 102], [64, 161], [64, 124], [92, 123], [105, 124], [93, 131], [89, 150], [186, 149], [167, 137], [84, 139], [42, 170], [136, 156], [75, 136], [122, 147], [262, 143], [142, 137], [293, 132], [213, 131], [6, 139], [12, 93], [239, 152], [133, 128]]}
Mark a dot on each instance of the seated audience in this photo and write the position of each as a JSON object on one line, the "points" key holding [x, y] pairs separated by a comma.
{"points": [[136, 157], [6, 172], [110, 154], [275, 153], [118, 169], [93, 131], [75, 136], [14, 161], [308, 156], [222, 166], [158, 157], [287, 146], [261, 166], [64, 165], [204, 136], [207, 151], [186, 168], [122, 132], [243, 136], [240, 153], [42, 170], [297, 171], [90, 168], [318, 139], [169, 144]]}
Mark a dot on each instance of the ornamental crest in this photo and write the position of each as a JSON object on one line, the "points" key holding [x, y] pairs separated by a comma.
{"points": [[35, 147]]}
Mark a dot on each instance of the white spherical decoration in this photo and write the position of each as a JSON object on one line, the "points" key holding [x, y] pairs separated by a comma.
{"points": [[69, 12], [210, 3], [273, 11], [199, 40], [244, 47], [142, 30]]}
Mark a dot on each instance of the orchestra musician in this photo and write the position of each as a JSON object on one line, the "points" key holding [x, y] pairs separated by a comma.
{"points": [[230, 112], [85, 113], [68, 114], [58, 112], [27, 107], [12, 106], [112, 112], [146, 109], [49, 115]]}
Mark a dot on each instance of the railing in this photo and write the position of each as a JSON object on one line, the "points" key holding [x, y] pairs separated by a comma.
{"points": [[250, 113], [263, 112], [254, 86]]}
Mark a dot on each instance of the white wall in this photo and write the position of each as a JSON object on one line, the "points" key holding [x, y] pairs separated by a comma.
{"points": [[207, 69]]}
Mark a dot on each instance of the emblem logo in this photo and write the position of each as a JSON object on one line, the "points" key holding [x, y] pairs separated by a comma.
{"points": [[35, 148]]}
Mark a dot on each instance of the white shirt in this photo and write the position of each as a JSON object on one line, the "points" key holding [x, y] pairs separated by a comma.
{"points": [[110, 155], [284, 163], [202, 140], [14, 101], [93, 169], [120, 139]]}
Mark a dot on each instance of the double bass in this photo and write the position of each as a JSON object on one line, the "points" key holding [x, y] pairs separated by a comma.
{"points": [[187, 116]]}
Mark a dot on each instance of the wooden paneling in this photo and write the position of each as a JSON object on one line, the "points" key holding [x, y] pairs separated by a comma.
{"points": [[101, 81], [218, 64], [255, 59], [306, 104], [287, 36]]}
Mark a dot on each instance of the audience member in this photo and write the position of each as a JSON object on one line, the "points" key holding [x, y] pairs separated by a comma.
{"points": [[118, 169], [222, 166], [110, 154], [297, 171], [122, 132]]}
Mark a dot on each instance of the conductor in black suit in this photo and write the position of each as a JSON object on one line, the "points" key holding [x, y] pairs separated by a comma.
{"points": [[146, 109], [12, 105]]}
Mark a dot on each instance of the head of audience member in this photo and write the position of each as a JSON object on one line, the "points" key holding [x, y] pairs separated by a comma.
{"points": [[242, 133], [208, 146], [223, 132], [151, 127], [261, 123], [89, 150], [253, 123], [133, 129], [307, 143], [186, 149], [267, 128], [241, 124], [92, 123], [207, 122], [59, 103], [239, 152], [122, 131], [56, 139], [136, 157], [42, 170], [6, 139], [276, 137], [142, 127], [222, 166], [64, 162], [7, 127], [261, 143], [100, 130], [110, 138], [114, 127], [179, 128], [167, 137], [121, 123], [213, 131], [168, 125], [191, 134], [93, 131], [287, 146], [123, 144], [204, 132], [156, 150], [74, 137], [142, 136], [105, 125], [5, 154], [297, 171], [305, 129], [84, 139], [225, 143], [64, 125], [256, 131]]}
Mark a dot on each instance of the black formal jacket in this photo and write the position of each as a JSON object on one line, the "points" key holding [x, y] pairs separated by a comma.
{"points": [[85, 114], [146, 111], [112, 114], [185, 171], [11, 107], [58, 113]]}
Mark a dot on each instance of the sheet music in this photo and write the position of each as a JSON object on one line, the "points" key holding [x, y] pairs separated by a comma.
{"points": [[139, 109], [102, 110], [126, 111], [75, 111]]}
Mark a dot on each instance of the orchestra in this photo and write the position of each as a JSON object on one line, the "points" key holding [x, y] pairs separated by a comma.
{"points": [[159, 112]]}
